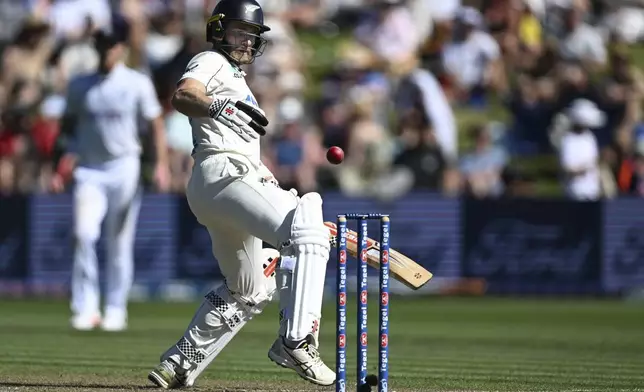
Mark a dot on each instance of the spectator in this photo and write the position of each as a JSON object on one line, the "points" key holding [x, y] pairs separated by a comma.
{"points": [[482, 167], [12, 15], [368, 153], [631, 176], [532, 106], [165, 39], [574, 82], [9, 146], [627, 23], [421, 89], [24, 63], [16, 159], [77, 56], [44, 131], [421, 154], [620, 98], [288, 146], [581, 42], [69, 17], [388, 34], [529, 34], [551, 50], [579, 152], [517, 183], [472, 59], [499, 18], [442, 14]]}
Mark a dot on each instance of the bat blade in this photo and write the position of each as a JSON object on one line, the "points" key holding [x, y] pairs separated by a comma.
{"points": [[401, 267]]}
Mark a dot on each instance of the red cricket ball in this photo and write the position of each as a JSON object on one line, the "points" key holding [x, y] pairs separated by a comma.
{"points": [[335, 155]]}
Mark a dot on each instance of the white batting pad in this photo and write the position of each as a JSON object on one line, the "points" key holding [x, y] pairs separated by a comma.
{"points": [[284, 277], [284, 281], [309, 245], [219, 318]]}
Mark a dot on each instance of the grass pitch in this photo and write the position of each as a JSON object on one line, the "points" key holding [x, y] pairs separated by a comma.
{"points": [[436, 344]]}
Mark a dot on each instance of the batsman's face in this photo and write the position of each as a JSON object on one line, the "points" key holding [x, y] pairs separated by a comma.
{"points": [[242, 38]]}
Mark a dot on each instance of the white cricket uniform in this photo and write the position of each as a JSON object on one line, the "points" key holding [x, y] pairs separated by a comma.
{"points": [[107, 109], [226, 192]]}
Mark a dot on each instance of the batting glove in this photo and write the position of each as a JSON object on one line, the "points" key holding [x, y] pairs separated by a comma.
{"points": [[239, 116]]}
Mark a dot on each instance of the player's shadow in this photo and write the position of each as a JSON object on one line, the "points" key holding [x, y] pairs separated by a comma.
{"points": [[68, 386]]}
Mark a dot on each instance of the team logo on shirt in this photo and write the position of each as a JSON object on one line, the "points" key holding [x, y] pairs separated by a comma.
{"points": [[251, 100], [237, 73]]}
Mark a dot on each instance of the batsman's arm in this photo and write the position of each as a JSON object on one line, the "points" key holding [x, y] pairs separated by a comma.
{"points": [[190, 98]]}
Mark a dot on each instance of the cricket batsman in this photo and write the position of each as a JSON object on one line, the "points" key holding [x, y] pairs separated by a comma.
{"points": [[240, 203], [99, 147]]}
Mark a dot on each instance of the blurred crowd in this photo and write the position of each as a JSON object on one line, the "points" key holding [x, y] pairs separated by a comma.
{"points": [[403, 72]]}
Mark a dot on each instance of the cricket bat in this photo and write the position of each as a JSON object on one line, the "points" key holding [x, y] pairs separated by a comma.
{"points": [[401, 267]]}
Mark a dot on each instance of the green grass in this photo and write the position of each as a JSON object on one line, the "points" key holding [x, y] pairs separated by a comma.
{"points": [[436, 344]]}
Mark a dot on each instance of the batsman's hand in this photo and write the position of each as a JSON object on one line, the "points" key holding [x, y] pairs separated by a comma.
{"points": [[245, 120]]}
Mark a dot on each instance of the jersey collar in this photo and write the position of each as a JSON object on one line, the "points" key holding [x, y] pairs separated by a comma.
{"points": [[233, 64]]}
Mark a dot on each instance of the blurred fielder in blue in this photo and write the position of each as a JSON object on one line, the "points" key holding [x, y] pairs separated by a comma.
{"points": [[99, 149]]}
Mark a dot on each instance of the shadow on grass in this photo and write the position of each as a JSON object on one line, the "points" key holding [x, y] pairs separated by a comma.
{"points": [[69, 385], [66, 386]]}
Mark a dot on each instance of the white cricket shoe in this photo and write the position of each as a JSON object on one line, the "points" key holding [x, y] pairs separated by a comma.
{"points": [[166, 376], [304, 359], [114, 321], [85, 321]]}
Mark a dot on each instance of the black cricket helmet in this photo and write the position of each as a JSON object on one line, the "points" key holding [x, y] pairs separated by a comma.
{"points": [[246, 11]]}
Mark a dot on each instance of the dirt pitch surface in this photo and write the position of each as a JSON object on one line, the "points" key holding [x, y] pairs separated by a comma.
{"points": [[436, 344]]}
